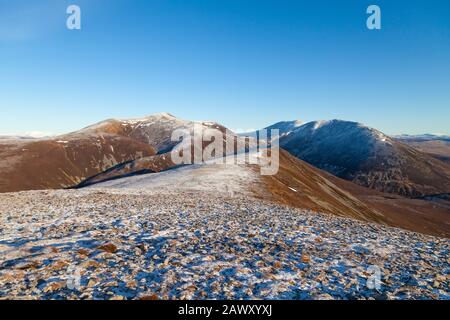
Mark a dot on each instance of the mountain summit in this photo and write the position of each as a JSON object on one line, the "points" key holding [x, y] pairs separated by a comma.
{"points": [[368, 157], [135, 145]]}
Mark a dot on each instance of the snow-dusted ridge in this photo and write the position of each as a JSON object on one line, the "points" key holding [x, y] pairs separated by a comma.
{"points": [[338, 129], [364, 155]]}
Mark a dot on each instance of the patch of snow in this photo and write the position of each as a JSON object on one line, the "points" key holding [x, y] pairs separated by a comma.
{"points": [[210, 177], [321, 123]]}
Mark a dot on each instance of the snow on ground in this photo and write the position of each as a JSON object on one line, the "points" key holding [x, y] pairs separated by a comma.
{"points": [[197, 233], [211, 178], [92, 244]]}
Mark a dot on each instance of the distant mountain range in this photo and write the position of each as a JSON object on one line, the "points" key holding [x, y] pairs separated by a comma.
{"points": [[437, 146], [422, 137], [382, 173]]}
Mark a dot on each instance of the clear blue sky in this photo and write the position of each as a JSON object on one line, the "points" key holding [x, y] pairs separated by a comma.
{"points": [[244, 63]]}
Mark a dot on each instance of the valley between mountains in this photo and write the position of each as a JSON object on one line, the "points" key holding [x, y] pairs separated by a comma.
{"points": [[104, 213]]}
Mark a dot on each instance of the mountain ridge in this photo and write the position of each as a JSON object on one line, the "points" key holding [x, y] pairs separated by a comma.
{"points": [[368, 157], [112, 150]]}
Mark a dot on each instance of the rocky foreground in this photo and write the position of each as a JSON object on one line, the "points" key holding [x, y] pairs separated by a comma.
{"points": [[98, 244]]}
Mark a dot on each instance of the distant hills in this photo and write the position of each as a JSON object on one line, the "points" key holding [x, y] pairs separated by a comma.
{"points": [[437, 146]]}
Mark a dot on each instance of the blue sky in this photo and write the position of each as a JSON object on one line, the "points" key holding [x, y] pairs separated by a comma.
{"points": [[244, 63]]}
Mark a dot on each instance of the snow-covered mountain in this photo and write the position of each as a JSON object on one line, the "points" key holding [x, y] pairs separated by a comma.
{"points": [[106, 149], [285, 127], [367, 157], [154, 130]]}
